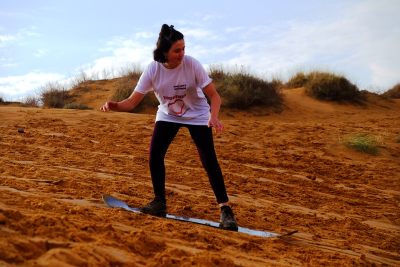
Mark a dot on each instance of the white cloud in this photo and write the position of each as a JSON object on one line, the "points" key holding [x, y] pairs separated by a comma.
{"points": [[40, 53], [7, 62], [121, 53], [361, 43], [144, 35], [11, 39], [6, 40], [198, 33], [15, 87]]}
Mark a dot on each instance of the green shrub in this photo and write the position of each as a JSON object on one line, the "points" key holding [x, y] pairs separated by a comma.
{"points": [[326, 86], [242, 90], [332, 87], [217, 73], [74, 105], [299, 80], [362, 142], [394, 92]]}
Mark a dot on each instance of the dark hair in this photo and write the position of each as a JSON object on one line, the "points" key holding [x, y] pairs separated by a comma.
{"points": [[168, 35]]}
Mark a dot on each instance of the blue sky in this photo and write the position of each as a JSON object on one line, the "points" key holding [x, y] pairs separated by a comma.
{"points": [[45, 41]]}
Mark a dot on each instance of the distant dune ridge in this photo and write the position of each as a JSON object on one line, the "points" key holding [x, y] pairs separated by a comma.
{"points": [[286, 167], [239, 90]]}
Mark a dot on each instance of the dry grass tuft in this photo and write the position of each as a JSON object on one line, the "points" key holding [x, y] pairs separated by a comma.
{"points": [[362, 142], [326, 86], [394, 92], [243, 91], [54, 95]]}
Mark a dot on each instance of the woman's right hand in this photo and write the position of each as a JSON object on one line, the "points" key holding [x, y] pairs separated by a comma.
{"points": [[109, 105]]}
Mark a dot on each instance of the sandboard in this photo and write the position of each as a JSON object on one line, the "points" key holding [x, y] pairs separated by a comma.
{"points": [[114, 202]]}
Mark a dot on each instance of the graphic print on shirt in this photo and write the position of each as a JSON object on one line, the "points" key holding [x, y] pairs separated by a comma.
{"points": [[176, 105]]}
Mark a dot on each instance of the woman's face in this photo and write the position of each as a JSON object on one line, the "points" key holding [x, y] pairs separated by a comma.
{"points": [[175, 54]]}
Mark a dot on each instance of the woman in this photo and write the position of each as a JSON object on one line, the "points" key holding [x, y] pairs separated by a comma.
{"points": [[181, 85]]}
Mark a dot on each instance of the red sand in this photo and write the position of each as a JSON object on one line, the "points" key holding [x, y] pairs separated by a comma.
{"points": [[283, 172]]}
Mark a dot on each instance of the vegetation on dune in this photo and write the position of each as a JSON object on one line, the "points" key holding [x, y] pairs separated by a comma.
{"points": [[125, 87], [394, 92], [326, 86], [54, 95], [74, 105], [362, 142], [31, 101], [238, 89], [298, 80], [242, 90]]}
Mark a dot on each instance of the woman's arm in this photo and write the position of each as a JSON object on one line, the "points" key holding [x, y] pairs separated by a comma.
{"points": [[125, 105], [215, 102]]}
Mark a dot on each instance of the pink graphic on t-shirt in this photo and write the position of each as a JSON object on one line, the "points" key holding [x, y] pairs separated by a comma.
{"points": [[177, 107]]}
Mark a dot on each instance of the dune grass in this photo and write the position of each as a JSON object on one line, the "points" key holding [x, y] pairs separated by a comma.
{"points": [[74, 105], [326, 86], [241, 90], [300, 79], [238, 90], [125, 86], [54, 95], [394, 92], [362, 142], [31, 101]]}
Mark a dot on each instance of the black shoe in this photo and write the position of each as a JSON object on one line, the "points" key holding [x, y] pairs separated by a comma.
{"points": [[228, 221], [157, 207]]}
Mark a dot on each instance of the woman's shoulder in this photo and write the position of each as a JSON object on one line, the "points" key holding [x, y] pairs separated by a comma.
{"points": [[152, 67], [191, 61]]}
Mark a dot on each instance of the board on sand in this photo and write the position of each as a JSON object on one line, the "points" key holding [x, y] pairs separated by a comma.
{"points": [[117, 203]]}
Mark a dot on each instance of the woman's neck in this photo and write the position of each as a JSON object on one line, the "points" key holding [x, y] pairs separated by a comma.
{"points": [[170, 66]]}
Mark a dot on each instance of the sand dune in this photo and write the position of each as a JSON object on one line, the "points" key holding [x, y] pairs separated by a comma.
{"points": [[283, 172]]}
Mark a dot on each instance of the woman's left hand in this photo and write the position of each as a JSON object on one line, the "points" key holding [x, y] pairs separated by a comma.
{"points": [[216, 124]]}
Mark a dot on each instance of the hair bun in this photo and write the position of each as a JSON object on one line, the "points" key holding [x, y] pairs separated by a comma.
{"points": [[165, 30]]}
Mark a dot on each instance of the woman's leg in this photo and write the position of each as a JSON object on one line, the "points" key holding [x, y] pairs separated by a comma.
{"points": [[163, 134], [203, 138]]}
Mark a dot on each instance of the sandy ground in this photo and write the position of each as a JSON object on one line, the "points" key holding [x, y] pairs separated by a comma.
{"points": [[283, 172]]}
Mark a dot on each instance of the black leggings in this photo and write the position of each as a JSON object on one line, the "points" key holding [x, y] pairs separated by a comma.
{"points": [[163, 134]]}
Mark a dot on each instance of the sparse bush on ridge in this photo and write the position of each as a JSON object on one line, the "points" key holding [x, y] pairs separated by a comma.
{"points": [[54, 95], [243, 91], [326, 86], [132, 72], [125, 87], [31, 101], [299, 80], [394, 92]]}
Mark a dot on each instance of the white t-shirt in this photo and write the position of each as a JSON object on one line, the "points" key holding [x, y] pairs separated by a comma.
{"points": [[178, 90]]}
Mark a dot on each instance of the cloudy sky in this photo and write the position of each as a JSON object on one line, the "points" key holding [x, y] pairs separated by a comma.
{"points": [[45, 41]]}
